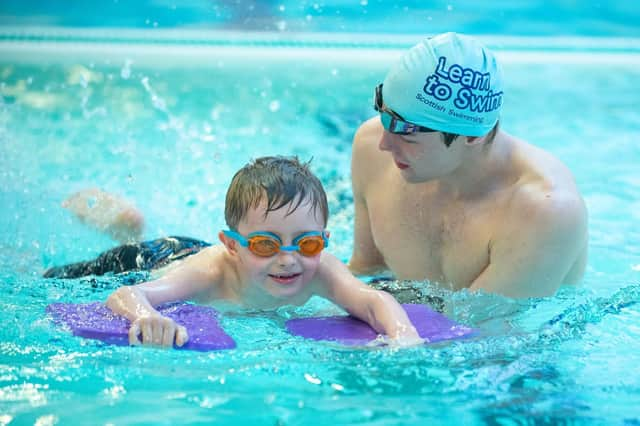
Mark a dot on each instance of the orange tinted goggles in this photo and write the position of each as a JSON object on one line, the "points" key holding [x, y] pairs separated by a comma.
{"points": [[267, 244]]}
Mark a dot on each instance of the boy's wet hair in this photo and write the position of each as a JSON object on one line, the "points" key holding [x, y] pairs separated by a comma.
{"points": [[280, 181]]}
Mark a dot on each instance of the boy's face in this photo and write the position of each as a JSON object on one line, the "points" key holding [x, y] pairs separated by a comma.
{"points": [[286, 273]]}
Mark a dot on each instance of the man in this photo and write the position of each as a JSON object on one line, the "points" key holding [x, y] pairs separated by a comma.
{"points": [[442, 193]]}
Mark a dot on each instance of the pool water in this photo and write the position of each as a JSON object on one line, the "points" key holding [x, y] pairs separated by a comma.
{"points": [[167, 128]]}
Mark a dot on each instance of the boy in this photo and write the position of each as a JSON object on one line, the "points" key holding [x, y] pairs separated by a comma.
{"points": [[271, 256]]}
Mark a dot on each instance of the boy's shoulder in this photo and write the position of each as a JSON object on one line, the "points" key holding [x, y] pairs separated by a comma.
{"points": [[210, 261], [332, 273], [212, 257]]}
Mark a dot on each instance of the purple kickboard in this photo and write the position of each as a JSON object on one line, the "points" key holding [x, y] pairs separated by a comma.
{"points": [[96, 321], [350, 331]]}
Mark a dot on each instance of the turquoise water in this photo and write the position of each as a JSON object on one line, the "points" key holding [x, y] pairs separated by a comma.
{"points": [[168, 127], [524, 17]]}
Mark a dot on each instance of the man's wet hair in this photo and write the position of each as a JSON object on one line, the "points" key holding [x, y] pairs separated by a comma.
{"points": [[450, 137], [278, 180]]}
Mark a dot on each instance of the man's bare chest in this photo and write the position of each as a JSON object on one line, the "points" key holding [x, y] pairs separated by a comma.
{"points": [[422, 237]]}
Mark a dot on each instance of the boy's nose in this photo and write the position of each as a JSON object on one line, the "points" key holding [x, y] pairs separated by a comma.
{"points": [[286, 259]]}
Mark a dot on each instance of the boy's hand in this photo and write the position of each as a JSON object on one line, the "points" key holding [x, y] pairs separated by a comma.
{"points": [[157, 330], [407, 336]]}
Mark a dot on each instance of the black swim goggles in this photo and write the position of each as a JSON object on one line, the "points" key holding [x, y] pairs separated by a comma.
{"points": [[392, 121]]}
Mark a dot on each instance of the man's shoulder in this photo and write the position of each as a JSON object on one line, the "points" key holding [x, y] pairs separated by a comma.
{"points": [[366, 159], [367, 135], [545, 188], [550, 206]]}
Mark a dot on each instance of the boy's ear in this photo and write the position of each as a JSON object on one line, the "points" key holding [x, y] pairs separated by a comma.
{"points": [[229, 243]]}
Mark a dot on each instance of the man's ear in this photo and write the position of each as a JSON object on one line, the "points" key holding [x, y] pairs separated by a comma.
{"points": [[230, 244]]}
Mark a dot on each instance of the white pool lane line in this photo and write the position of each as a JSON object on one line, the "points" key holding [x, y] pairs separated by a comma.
{"points": [[180, 48]]}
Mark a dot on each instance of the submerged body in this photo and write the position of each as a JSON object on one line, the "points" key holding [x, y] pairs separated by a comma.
{"points": [[233, 273], [271, 255]]}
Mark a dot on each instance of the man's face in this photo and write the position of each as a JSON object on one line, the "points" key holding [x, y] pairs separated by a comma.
{"points": [[421, 156], [419, 152]]}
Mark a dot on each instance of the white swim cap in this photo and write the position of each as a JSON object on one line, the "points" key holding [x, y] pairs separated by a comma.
{"points": [[449, 82]]}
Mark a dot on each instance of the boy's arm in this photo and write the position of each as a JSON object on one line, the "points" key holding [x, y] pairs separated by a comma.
{"points": [[133, 303], [377, 308], [136, 303]]}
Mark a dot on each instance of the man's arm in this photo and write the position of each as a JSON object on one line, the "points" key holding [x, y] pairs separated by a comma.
{"points": [[365, 258], [534, 252], [377, 308]]}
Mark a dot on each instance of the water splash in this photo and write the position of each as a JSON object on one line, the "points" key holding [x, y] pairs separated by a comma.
{"points": [[575, 318], [157, 102]]}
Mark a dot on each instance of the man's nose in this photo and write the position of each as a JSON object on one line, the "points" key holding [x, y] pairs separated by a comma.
{"points": [[386, 141]]}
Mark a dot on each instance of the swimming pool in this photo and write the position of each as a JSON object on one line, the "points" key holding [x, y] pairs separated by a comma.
{"points": [[165, 119]]}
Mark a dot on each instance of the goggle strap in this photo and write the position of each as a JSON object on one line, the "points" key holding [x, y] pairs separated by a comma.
{"points": [[236, 236]]}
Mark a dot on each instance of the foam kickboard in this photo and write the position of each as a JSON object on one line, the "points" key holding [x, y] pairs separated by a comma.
{"points": [[96, 321], [350, 331]]}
